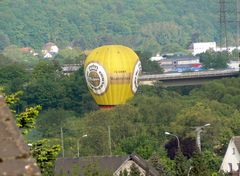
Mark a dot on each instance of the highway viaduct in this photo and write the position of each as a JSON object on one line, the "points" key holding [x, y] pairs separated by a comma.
{"points": [[187, 78]]}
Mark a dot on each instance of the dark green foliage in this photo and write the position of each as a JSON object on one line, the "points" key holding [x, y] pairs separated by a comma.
{"points": [[13, 77], [156, 163], [4, 41], [87, 25], [50, 88], [181, 164], [134, 171], [199, 166], [148, 65], [217, 60]]}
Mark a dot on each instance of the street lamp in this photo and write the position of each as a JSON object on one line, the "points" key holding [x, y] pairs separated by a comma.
{"points": [[198, 130], [85, 135], [189, 170], [167, 133]]}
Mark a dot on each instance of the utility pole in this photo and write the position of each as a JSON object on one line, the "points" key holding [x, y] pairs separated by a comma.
{"points": [[78, 149], [238, 28], [223, 25], [62, 142], [109, 140]]}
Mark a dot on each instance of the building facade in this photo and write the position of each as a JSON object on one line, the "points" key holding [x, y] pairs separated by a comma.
{"points": [[231, 160]]}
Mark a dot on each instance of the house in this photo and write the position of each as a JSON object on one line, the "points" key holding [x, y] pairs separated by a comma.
{"points": [[231, 160], [203, 47], [15, 156], [180, 64], [49, 50], [158, 57], [113, 165]]}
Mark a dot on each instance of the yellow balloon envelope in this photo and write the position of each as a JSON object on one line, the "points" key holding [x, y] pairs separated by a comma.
{"points": [[112, 73]]}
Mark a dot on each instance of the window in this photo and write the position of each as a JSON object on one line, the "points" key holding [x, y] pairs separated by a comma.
{"points": [[239, 166], [233, 151], [230, 167]]}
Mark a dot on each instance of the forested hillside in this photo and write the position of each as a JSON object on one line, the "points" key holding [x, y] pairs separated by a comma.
{"points": [[143, 25]]}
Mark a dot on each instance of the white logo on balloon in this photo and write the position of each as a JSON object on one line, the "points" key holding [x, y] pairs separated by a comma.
{"points": [[96, 78], [137, 71]]}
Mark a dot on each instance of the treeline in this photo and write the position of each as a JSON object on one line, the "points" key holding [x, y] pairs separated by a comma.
{"points": [[144, 25]]}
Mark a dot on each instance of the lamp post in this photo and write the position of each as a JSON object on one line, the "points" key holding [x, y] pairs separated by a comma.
{"points": [[167, 133], [189, 170], [85, 135], [198, 130]]}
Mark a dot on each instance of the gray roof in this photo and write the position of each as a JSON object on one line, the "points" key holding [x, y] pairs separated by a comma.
{"points": [[15, 157], [105, 163], [72, 165]]}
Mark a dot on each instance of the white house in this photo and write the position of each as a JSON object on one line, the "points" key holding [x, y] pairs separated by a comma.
{"points": [[203, 47], [49, 50], [231, 160], [158, 57]]}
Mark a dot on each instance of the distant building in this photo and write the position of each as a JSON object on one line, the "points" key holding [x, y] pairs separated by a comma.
{"points": [[234, 64], [67, 69], [158, 57], [203, 47], [114, 165], [28, 50], [231, 160], [180, 64], [49, 50]]}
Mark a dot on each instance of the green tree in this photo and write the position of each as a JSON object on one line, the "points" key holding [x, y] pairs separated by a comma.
{"points": [[70, 56], [211, 59], [199, 166], [134, 170], [148, 65], [4, 41], [156, 163], [13, 77], [182, 164], [45, 155], [26, 120]]}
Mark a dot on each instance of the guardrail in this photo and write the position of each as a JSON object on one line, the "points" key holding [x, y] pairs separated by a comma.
{"points": [[185, 75]]}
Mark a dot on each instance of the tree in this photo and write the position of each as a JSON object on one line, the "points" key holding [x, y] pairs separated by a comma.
{"points": [[13, 77], [154, 159], [182, 164], [134, 170], [211, 59], [45, 155], [4, 41], [26, 120], [148, 65], [70, 56], [199, 166]]}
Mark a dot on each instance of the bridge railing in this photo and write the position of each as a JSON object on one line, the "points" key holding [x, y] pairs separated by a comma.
{"points": [[208, 73]]}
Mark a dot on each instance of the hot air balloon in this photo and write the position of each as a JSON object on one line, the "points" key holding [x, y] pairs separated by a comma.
{"points": [[111, 73]]}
